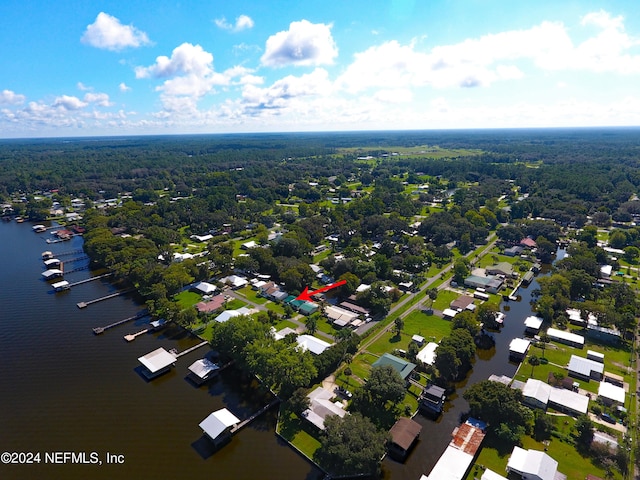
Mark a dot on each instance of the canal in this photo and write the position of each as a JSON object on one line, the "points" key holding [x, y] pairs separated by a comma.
{"points": [[435, 436]]}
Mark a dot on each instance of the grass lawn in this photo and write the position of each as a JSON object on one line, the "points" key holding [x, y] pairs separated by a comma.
{"points": [[298, 432], [284, 324], [235, 304], [445, 297], [324, 326], [560, 448], [252, 295], [275, 307], [431, 327], [187, 298]]}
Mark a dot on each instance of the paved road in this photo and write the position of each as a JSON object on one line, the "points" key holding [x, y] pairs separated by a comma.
{"points": [[412, 297]]}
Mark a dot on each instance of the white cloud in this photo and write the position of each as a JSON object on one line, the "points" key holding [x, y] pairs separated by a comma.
{"points": [[304, 44], [243, 22], [8, 97], [495, 57], [287, 89], [108, 33], [185, 59], [124, 87], [69, 102], [83, 87], [100, 99], [397, 95]]}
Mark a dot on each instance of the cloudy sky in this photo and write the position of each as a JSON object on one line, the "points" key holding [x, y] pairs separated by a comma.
{"points": [[78, 68]]}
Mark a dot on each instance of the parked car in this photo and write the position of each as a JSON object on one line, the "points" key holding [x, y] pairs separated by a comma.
{"points": [[607, 418], [343, 392]]}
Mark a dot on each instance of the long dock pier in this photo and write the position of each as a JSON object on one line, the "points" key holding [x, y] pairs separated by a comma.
{"points": [[99, 330], [246, 422], [91, 279], [96, 300], [137, 316], [189, 350]]}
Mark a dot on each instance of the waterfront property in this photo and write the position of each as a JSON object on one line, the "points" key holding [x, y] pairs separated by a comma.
{"points": [[431, 401], [217, 425], [404, 434], [203, 370], [60, 286], [52, 273], [458, 457], [518, 349], [538, 394], [428, 353], [321, 406], [532, 325], [157, 362], [568, 338]]}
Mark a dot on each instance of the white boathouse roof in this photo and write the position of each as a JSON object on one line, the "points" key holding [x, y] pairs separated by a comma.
{"points": [[217, 422], [157, 360], [203, 367]]}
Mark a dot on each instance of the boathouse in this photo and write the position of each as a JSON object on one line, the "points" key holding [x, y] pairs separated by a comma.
{"points": [[157, 362], [404, 434], [532, 325], [518, 349], [218, 424], [60, 286], [203, 370], [52, 273]]}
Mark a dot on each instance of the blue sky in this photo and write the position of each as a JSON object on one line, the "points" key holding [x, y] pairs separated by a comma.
{"points": [[76, 68]]}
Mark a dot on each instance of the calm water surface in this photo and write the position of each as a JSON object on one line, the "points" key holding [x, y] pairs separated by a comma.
{"points": [[63, 389]]}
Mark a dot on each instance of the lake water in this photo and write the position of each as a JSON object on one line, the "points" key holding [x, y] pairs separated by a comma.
{"points": [[64, 389]]}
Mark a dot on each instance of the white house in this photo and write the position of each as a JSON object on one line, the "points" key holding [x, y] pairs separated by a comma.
{"points": [[532, 464]]}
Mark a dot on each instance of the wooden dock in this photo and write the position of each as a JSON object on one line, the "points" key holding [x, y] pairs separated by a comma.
{"points": [[99, 330], [113, 295], [238, 426], [70, 252], [189, 350], [86, 280], [132, 336]]}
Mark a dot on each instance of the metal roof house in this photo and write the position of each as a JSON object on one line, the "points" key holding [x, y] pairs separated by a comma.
{"points": [[403, 367], [585, 369], [431, 400], [611, 394], [565, 337], [312, 344], [490, 284], [428, 353], [205, 288], [321, 407], [157, 362], [532, 324], [532, 464]]}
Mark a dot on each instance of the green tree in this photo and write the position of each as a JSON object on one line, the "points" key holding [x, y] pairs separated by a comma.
{"points": [[496, 403], [398, 325], [351, 445], [311, 324], [466, 320], [385, 385], [298, 402], [447, 362], [460, 271]]}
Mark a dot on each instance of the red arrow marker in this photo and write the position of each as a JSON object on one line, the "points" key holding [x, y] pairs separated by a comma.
{"points": [[306, 294]]}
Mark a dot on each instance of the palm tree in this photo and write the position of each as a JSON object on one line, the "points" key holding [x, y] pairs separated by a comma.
{"points": [[311, 323], [533, 361]]}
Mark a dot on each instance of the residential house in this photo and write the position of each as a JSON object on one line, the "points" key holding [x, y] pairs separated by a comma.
{"points": [[532, 464]]}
